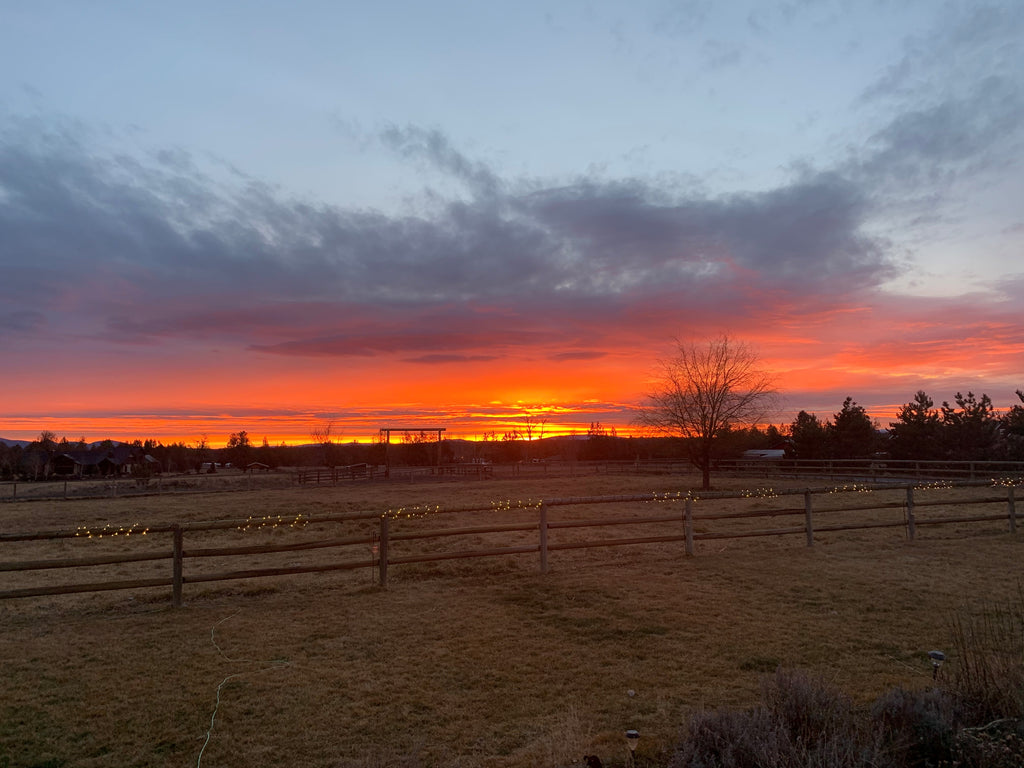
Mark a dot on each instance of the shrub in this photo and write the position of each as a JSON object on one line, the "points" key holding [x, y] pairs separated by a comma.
{"points": [[916, 728], [988, 677], [802, 721]]}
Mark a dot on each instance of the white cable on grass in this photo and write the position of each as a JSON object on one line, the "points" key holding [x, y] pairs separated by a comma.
{"points": [[274, 664], [209, 732]]}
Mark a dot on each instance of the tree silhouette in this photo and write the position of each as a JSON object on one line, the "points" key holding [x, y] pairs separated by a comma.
{"points": [[1013, 428], [917, 431], [852, 434], [808, 437], [704, 390], [971, 429]]}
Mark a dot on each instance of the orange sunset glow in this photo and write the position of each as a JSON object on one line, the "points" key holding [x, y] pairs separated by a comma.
{"points": [[380, 231]]}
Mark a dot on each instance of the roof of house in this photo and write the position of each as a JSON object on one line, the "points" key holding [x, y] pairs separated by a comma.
{"points": [[122, 453]]}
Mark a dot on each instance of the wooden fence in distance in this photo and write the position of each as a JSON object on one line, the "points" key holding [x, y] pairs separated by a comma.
{"points": [[380, 537]]}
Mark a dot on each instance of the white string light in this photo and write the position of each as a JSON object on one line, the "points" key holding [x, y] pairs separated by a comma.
{"points": [[935, 485], [84, 531], [852, 488], [760, 493], [420, 510], [253, 523]]}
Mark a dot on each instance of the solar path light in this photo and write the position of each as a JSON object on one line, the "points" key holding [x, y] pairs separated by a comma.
{"points": [[937, 658]]}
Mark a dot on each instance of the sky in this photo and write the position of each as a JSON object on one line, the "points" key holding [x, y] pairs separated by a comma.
{"points": [[275, 216]]}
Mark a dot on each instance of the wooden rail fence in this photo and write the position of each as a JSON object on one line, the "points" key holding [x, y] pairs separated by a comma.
{"points": [[875, 469], [379, 541]]}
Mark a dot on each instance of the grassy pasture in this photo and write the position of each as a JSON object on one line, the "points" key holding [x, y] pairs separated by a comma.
{"points": [[479, 662]]}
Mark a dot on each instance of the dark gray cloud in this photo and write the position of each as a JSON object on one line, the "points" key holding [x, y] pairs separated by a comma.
{"points": [[952, 107], [802, 235], [138, 248], [933, 146]]}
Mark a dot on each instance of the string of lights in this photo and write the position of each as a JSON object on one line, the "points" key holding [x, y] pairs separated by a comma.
{"points": [[84, 531], [672, 496], [254, 523], [408, 513], [508, 505], [852, 488], [760, 493]]}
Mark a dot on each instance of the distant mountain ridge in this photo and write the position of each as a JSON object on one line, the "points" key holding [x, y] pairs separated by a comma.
{"points": [[26, 443]]}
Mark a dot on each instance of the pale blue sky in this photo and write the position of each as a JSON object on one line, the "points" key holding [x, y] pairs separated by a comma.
{"points": [[728, 95]]}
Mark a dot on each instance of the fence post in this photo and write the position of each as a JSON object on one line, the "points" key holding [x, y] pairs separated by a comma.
{"points": [[178, 557], [543, 526], [1011, 504], [910, 512], [382, 555], [688, 525], [807, 517]]}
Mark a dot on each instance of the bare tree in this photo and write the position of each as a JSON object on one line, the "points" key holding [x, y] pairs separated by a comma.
{"points": [[321, 433], [704, 390], [324, 436], [533, 426]]}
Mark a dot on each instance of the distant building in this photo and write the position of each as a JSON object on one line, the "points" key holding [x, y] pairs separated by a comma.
{"points": [[121, 459], [765, 454]]}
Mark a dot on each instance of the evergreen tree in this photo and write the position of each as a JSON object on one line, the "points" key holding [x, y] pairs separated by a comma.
{"points": [[917, 431], [971, 429], [852, 434], [1013, 428], [808, 437]]}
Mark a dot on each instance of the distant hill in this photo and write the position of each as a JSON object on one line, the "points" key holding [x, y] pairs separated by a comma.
{"points": [[24, 443]]}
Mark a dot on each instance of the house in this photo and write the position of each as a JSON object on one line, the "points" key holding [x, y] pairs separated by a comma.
{"points": [[120, 459]]}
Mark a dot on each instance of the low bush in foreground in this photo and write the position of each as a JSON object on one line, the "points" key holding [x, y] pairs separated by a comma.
{"points": [[803, 722], [973, 718]]}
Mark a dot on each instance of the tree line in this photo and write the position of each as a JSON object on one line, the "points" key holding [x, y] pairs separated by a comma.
{"points": [[968, 429]]}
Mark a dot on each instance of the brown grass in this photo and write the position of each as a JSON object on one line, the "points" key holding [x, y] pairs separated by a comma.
{"points": [[468, 662]]}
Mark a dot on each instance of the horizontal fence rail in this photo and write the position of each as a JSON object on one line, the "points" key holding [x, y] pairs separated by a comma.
{"points": [[872, 469], [861, 470], [377, 538]]}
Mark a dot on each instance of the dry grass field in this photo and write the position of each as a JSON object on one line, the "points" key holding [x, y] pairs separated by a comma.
{"points": [[482, 662]]}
